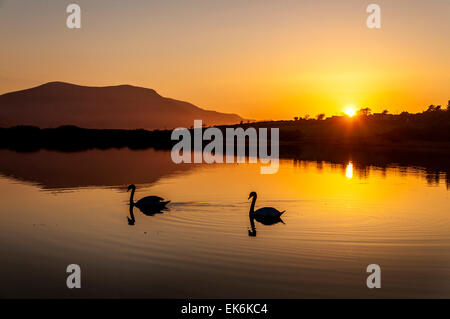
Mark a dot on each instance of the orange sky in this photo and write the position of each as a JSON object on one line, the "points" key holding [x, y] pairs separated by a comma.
{"points": [[260, 59]]}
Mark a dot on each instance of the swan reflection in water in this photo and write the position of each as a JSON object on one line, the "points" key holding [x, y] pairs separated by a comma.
{"points": [[149, 205], [264, 215], [147, 212]]}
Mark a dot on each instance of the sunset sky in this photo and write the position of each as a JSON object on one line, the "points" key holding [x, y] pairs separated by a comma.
{"points": [[261, 59]]}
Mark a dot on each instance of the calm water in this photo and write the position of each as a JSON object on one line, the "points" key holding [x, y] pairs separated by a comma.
{"points": [[64, 208]]}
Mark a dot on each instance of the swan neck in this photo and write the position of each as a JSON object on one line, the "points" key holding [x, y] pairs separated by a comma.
{"points": [[252, 207], [132, 196]]}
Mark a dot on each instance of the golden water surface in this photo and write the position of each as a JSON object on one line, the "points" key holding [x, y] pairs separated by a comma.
{"points": [[71, 208]]}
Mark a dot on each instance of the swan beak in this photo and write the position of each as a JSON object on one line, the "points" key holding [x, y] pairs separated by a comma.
{"points": [[250, 196]]}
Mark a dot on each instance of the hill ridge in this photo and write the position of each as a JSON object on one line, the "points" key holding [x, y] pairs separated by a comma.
{"points": [[122, 106]]}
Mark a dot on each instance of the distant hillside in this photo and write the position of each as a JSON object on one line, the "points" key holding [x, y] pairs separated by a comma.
{"points": [[115, 107]]}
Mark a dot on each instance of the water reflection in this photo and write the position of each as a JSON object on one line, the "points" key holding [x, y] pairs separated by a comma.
{"points": [[50, 169], [131, 219], [113, 167], [148, 211], [334, 227], [252, 230], [349, 170], [263, 220]]}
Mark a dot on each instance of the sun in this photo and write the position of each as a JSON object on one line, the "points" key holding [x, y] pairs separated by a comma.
{"points": [[350, 111]]}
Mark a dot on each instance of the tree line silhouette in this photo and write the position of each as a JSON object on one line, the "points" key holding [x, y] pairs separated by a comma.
{"points": [[430, 128]]}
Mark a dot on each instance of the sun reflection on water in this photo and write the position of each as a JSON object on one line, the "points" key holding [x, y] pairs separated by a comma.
{"points": [[349, 170]]}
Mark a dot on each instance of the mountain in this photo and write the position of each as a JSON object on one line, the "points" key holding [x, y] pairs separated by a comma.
{"points": [[116, 107]]}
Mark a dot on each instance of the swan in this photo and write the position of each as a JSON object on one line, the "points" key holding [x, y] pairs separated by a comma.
{"points": [[264, 214], [147, 203]]}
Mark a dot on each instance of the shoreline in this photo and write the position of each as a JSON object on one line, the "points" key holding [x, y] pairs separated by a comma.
{"points": [[76, 138]]}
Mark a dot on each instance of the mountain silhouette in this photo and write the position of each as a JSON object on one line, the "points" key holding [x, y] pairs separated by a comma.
{"points": [[117, 107]]}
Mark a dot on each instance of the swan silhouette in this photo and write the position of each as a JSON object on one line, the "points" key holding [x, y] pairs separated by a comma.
{"points": [[148, 204], [264, 215]]}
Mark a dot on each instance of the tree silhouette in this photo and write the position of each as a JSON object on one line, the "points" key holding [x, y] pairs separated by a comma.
{"points": [[320, 116], [430, 108], [364, 112]]}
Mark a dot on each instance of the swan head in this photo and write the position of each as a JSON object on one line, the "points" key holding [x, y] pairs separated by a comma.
{"points": [[252, 194], [131, 187]]}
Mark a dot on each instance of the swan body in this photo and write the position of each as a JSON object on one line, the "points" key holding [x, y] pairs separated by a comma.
{"points": [[147, 203], [151, 201], [267, 212]]}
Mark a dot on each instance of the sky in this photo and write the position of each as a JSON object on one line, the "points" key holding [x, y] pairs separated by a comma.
{"points": [[260, 59]]}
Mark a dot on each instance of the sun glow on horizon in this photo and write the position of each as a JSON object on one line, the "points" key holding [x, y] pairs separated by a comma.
{"points": [[350, 111], [272, 77]]}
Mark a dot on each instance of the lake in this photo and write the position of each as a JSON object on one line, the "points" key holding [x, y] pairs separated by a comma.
{"points": [[72, 208]]}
